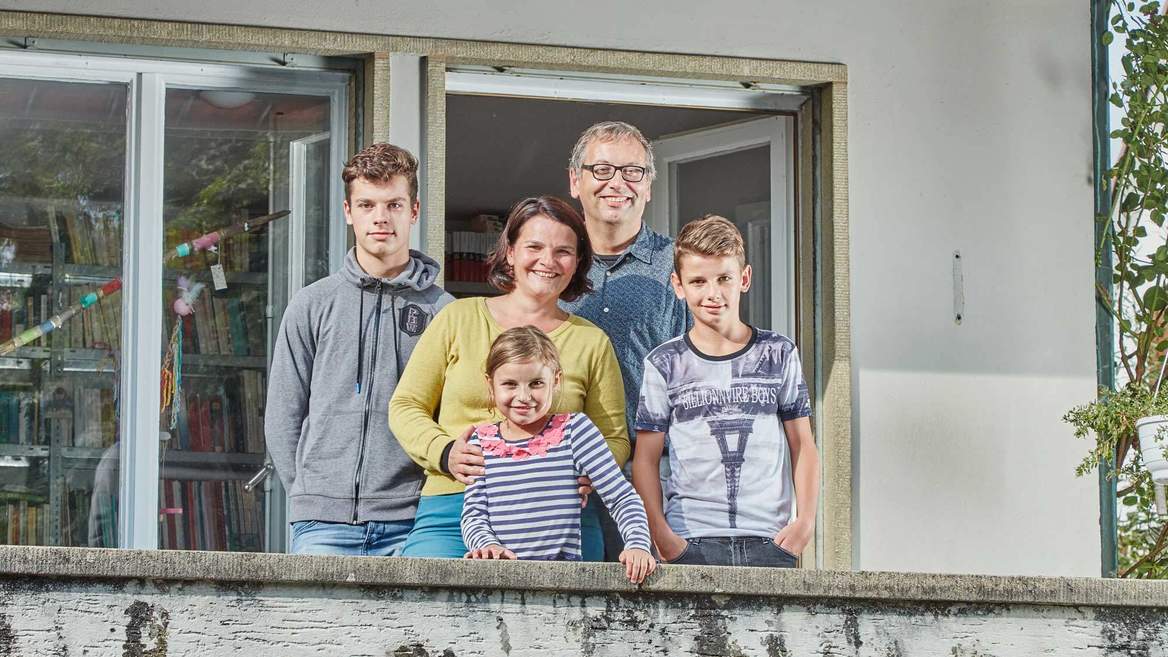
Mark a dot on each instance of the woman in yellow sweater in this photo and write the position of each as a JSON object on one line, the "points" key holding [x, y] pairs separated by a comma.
{"points": [[543, 256]]}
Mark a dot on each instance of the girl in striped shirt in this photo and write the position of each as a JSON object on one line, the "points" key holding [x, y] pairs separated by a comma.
{"points": [[527, 505]]}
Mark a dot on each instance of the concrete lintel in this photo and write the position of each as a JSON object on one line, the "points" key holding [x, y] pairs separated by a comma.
{"points": [[165, 565], [241, 37]]}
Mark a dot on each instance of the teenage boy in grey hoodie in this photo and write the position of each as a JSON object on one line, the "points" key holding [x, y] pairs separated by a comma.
{"points": [[343, 342]]}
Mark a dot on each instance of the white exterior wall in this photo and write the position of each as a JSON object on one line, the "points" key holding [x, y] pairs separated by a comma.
{"points": [[969, 129]]}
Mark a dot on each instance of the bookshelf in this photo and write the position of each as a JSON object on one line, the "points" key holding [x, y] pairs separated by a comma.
{"points": [[58, 395], [59, 425], [216, 441], [465, 269]]}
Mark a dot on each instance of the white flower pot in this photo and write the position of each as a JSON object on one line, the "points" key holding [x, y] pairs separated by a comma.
{"points": [[1153, 437]]}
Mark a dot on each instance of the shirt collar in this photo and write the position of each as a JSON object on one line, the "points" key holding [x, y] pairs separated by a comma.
{"points": [[642, 248]]}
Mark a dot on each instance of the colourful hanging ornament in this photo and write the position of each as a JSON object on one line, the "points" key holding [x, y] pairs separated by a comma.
{"points": [[171, 377]]}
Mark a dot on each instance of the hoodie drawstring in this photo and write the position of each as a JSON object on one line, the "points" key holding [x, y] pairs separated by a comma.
{"points": [[360, 338], [396, 328]]}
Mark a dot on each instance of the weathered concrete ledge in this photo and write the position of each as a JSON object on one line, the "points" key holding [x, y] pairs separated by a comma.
{"points": [[181, 566], [67, 601]]}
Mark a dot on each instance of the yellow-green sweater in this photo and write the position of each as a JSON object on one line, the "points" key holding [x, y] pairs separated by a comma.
{"points": [[444, 380]]}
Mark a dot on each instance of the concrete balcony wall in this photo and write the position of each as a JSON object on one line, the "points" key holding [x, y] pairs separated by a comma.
{"points": [[67, 601]]}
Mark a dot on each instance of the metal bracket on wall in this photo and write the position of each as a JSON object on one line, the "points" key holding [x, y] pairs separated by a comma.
{"points": [[958, 289]]}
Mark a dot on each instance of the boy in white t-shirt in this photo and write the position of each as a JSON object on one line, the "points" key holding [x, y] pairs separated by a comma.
{"points": [[731, 401]]}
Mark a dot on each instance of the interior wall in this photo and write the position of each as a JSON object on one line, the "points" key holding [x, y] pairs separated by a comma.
{"points": [[492, 161], [969, 129]]}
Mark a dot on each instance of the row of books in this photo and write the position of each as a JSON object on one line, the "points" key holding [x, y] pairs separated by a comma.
{"points": [[226, 418], [21, 308], [225, 325], [24, 522], [466, 254], [81, 415], [88, 519], [19, 417], [26, 243], [89, 235], [96, 327], [77, 414], [210, 515], [241, 252]]}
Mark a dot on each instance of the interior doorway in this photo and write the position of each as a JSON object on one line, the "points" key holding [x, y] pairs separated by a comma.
{"points": [[719, 152]]}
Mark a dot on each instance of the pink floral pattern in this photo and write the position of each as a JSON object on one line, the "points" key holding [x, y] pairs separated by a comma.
{"points": [[551, 435]]}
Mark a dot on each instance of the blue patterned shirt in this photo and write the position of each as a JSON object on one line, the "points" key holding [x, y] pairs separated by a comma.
{"points": [[633, 302]]}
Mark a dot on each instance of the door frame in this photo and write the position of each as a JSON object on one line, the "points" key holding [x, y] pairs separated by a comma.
{"points": [[777, 132]]}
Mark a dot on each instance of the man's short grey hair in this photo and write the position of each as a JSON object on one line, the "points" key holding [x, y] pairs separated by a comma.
{"points": [[612, 131]]}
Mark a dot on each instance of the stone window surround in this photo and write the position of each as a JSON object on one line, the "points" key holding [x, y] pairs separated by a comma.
{"points": [[822, 239]]}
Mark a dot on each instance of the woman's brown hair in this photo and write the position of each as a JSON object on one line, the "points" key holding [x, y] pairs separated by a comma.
{"points": [[502, 276]]}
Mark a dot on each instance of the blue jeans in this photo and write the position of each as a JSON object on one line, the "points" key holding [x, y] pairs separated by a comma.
{"points": [[437, 532], [735, 551], [373, 538]]}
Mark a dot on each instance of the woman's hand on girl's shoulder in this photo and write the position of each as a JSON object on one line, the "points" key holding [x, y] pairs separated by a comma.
{"points": [[491, 552], [465, 461], [639, 564]]}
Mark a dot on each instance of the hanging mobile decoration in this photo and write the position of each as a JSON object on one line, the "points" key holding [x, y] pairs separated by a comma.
{"points": [[206, 242], [56, 321], [172, 363]]}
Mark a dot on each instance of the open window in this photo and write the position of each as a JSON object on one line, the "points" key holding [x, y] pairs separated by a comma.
{"points": [[720, 148]]}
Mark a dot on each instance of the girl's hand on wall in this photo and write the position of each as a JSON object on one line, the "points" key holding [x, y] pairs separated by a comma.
{"points": [[491, 552], [638, 564]]}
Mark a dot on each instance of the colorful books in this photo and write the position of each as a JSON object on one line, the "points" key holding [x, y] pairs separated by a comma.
{"points": [[467, 253], [210, 515], [224, 324], [223, 416]]}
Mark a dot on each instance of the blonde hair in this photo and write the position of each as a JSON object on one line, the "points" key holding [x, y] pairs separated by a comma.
{"points": [[522, 344], [710, 236]]}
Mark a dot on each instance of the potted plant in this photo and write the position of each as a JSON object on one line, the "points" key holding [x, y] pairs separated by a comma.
{"points": [[1135, 237]]}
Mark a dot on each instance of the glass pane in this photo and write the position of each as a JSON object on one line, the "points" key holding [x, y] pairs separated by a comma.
{"points": [[226, 163], [736, 186], [62, 185], [316, 205]]}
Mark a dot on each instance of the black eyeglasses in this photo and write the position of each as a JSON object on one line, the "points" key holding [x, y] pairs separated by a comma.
{"points": [[606, 171]]}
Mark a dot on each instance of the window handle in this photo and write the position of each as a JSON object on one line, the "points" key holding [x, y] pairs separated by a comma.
{"points": [[258, 478]]}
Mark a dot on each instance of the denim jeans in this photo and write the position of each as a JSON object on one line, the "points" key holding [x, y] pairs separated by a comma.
{"points": [[735, 551], [373, 538]]}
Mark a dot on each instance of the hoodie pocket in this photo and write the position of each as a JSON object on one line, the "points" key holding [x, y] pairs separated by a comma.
{"points": [[328, 455]]}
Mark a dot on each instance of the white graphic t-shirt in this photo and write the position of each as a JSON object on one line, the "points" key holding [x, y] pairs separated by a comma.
{"points": [[723, 422]]}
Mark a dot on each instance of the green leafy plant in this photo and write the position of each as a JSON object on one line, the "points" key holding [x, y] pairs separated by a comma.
{"points": [[1134, 235]]}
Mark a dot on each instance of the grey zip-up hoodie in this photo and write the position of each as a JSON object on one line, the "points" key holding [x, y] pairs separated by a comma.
{"points": [[343, 342]]}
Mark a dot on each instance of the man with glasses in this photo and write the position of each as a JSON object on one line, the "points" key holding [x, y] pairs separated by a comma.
{"points": [[611, 173]]}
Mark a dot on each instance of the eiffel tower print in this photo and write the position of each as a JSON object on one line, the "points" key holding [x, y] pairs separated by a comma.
{"points": [[732, 459]]}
